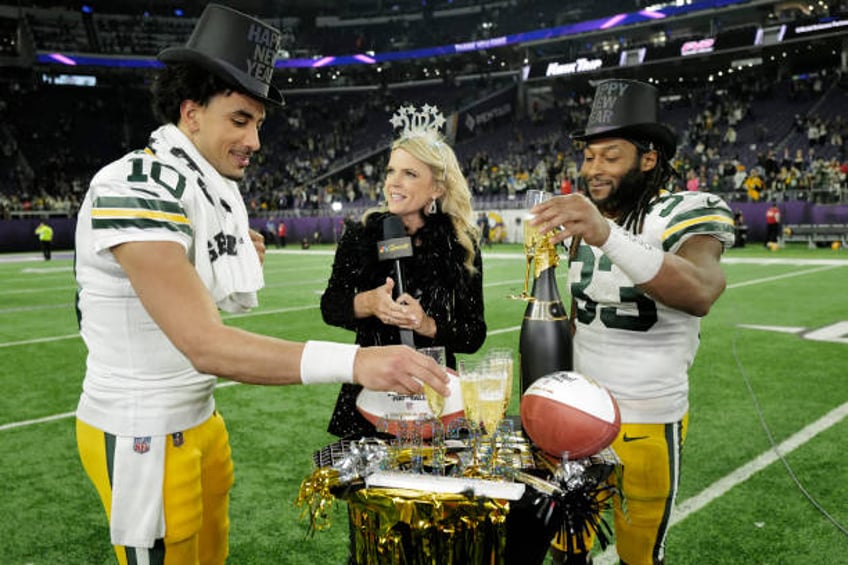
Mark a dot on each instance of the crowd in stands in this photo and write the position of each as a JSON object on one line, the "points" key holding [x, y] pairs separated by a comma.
{"points": [[328, 148], [749, 144]]}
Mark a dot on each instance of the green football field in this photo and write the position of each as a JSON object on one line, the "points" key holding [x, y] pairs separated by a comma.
{"points": [[765, 470]]}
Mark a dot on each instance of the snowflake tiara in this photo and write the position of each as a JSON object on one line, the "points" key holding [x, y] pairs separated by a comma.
{"points": [[425, 122]]}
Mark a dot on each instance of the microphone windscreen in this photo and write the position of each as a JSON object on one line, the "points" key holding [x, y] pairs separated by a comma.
{"points": [[393, 227]]}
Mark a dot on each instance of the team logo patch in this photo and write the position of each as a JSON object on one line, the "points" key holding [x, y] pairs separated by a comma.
{"points": [[177, 438], [141, 444]]}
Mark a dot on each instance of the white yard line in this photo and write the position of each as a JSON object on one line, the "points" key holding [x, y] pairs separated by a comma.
{"points": [[785, 276], [63, 415], [39, 340]]}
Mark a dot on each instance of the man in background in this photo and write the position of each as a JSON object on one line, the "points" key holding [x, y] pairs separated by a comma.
{"points": [[45, 238], [772, 225]]}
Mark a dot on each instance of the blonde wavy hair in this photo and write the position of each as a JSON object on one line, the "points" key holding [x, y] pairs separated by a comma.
{"points": [[455, 201]]}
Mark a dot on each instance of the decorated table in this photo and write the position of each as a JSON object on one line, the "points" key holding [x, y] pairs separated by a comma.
{"points": [[459, 498]]}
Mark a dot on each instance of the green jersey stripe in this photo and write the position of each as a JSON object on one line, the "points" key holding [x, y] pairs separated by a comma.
{"points": [[140, 223], [706, 227], [684, 216], [133, 202]]}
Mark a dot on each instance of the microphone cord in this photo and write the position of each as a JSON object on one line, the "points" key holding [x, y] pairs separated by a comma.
{"points": [[839, 526]]}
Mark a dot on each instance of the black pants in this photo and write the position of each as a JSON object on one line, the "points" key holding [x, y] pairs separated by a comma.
{"points": [[772, 232]]}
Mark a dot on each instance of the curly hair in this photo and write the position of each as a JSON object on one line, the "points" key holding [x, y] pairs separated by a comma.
{"points": [[179, 82]]}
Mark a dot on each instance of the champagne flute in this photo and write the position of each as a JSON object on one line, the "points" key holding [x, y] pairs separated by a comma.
{"points": [[469, 376], [503, 360], [469, 379], [491, 390], [531, 234], [435, 401]]}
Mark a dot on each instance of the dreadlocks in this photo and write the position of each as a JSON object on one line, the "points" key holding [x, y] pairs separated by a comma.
{"points": [[632, 211]]}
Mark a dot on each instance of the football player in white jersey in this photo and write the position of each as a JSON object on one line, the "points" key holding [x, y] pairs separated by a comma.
{"points": [[162, 243], [645, 270]]}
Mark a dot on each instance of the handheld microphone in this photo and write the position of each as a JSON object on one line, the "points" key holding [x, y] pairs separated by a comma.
{"points": [[395, 246]]}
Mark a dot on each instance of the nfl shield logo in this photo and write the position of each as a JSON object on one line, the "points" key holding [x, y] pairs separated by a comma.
{"points": [[177, 438], [141, 444]]}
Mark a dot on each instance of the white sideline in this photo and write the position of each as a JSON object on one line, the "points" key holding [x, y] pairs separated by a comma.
{"points": [[63, 415]]}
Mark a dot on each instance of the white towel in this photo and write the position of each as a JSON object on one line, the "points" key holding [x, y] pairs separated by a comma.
{"points": [[138, 511], [224, 255]]}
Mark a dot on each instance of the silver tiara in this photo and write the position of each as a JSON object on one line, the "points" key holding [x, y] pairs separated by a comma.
{"points": [[425, 122]]}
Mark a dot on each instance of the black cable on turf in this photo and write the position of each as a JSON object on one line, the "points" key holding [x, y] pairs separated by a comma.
{"points": [[770, 437]]}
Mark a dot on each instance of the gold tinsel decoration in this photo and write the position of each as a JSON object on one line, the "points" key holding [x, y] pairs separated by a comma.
{"points": [[317, 497]]}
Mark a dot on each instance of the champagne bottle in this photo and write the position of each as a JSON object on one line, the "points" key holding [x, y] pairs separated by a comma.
{"points": [[545, 340]]}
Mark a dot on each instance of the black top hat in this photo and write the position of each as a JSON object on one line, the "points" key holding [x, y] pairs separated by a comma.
{"points": [[235, 47], [628, 109]]}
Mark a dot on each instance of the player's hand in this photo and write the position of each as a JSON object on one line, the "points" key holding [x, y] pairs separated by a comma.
{"points": [[258, 241], [398, 368], [571, 215]]}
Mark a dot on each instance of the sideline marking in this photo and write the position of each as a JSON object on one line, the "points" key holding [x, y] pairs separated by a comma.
{"points": [[39, 340], [779, 329], [62, 416], [44, 270], [785, 276], [830, 265]]}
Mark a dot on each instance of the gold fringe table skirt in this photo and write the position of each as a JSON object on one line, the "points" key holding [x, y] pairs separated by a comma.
{"points": [[410, 527]]}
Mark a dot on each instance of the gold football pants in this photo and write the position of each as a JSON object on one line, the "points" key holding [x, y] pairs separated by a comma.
{"points": [[650, 456], [198, 478]]}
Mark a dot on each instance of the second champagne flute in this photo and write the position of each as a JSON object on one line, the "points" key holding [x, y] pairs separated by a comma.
{"points": [[435, 401]]}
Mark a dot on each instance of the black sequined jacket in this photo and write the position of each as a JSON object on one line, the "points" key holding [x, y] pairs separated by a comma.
{"points": [[435, 275]]}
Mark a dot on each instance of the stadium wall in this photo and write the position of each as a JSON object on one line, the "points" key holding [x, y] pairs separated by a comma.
{"points": [[17, 234]]}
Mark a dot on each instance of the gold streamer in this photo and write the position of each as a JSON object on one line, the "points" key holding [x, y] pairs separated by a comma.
{"points": [[316, 494], [410, 527]]}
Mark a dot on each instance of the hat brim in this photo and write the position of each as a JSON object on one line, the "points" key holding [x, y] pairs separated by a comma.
{"points": [[659, 133], [222, 69]]}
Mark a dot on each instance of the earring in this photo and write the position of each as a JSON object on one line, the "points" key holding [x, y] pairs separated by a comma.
{"points": [[432, 208]]}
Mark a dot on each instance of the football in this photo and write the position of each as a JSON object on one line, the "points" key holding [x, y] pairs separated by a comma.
{"points": [[569, 412], [391, 408]]}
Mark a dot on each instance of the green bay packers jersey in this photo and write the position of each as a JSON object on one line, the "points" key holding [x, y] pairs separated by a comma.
{"points": [[132, 366], [637, 347]]}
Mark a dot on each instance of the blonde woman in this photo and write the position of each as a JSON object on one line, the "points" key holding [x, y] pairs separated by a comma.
{"points": [[442, 302]]}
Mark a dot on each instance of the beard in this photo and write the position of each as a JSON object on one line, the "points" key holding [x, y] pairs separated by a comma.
{"points": [[624, 195]]}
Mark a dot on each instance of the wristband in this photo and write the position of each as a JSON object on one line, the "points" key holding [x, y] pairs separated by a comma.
{"points": [[630, 253], [327, 362]]}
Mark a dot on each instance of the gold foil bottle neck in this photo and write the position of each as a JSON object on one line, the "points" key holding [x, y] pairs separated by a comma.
{"points": [[545, 257]]}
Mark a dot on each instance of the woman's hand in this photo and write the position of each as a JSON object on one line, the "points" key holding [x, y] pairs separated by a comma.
{"points": [[419, 321], [378, 302]]}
